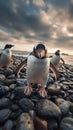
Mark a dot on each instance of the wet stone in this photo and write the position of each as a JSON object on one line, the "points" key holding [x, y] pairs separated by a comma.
{"points": [[15, 115], [63, 105], [19, 91], [4, 103], [47, 109], [8, 125], [53, 89], [8, 72], [52, 125], [2, 77], [21, 82], [26, 104], [24, 122], [14, 107], [9, 81], [4, 115], [66, 124], [11, 76], [71, 97], [3, 89]]}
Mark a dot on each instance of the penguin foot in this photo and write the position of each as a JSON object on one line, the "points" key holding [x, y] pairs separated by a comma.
{"points": [[42, 92], [28, 90]]}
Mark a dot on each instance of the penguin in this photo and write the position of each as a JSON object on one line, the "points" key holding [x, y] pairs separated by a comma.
{"points": [[37, 72], [55, 60], [6, 57]]}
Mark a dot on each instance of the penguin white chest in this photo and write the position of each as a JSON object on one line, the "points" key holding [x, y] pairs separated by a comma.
{"points": [[5, 57], [37, 70], [55, 60]]}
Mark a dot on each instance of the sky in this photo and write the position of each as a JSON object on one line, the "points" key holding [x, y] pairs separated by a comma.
{"points": [[25, 23]]}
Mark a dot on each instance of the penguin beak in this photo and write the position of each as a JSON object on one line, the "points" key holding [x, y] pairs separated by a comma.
{"points": [[41, 54], [12, 46]]}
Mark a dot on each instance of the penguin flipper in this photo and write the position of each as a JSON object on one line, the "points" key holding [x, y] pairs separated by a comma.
{"points": [[20, 66], [54, 70]]}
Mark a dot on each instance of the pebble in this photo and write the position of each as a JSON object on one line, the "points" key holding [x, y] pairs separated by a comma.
{"points": [[24, 122], [26, 104], [4, 115], [47, 109], [54, 112], [66, 124], [63, 105]]}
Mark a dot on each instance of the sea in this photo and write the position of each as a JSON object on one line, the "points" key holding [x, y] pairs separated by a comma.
{"points": [[67, 58]]}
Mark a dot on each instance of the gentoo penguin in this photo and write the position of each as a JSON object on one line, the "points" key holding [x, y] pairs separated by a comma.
{"points": [[37, 72], [6, 56], [55, 60]]}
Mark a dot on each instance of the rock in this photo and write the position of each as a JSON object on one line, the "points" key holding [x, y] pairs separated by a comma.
{"points": [[2, 77], [52, 125], [71, 107], [11, 87], [47, 109], [14, 107], [4, 103], [70, 91], [19, 91], [21, 82], [63, 105], [53, 89], [8, 72], [66, 124], [11, 76], [4, 115], [63, 93], [9, 81], [24, 122], [71, 97], [40, 124], [26, 104], [3, 89], [15, 115], [8, 125]]}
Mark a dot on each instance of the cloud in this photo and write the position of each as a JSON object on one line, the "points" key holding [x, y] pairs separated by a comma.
{"points": [[29, 21]]}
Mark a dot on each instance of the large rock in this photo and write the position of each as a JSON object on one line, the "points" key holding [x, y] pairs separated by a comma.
{"points": [[26, 104], [8, 125], [4, 103], [2, 77], [63, 105], [19, 91], [4, 115], [24, 122], [53, 89], [3, 89], [66, 124], [47, 109], [9, 81]]}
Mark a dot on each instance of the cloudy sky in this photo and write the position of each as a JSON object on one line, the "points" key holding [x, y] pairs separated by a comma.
{"points": [[27, 22]]}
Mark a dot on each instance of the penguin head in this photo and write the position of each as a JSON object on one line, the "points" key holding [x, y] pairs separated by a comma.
{"points": [[40, 51], [57, 52], [8, 46]]}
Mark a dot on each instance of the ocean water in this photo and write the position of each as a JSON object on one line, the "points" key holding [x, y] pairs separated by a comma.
{"points": [[68, 59]]}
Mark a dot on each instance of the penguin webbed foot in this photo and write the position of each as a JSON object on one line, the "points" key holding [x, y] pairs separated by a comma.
{"points": [[28, 90], [42, 92]]}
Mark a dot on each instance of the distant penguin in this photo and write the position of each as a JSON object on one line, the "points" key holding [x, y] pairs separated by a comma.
{"points": [[6, 56], [38, 64], [55, 60]]}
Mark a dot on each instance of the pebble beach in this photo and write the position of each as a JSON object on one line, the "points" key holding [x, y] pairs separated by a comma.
{"points": [[21, 112]]}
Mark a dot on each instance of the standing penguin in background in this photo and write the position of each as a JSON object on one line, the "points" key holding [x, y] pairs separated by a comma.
{"points": [[38, 64], [55, 60], [6, 57]]}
